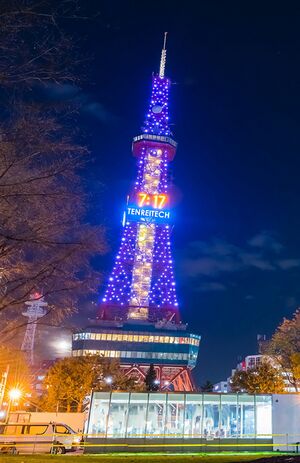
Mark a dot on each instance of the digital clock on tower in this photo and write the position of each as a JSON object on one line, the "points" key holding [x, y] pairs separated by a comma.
{"points": [[157, 201]]}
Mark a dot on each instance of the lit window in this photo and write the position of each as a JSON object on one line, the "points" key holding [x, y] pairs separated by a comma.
{"points": [[114, 337], [135, 338], [130, 338], [109, 337]]}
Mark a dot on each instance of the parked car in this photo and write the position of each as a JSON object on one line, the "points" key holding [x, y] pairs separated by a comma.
{"points": [[37, 438]]}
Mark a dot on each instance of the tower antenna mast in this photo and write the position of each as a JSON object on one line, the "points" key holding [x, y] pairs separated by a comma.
{"points": [[35, 310], [163, 58]]}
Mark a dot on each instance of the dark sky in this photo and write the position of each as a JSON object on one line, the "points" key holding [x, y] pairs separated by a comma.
{"points": [[235, 109]]}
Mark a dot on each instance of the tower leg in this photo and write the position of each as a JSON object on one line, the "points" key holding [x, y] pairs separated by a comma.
{"points": [[171, 379]]}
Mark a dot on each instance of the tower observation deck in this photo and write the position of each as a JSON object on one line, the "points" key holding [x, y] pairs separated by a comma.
{"points": [[139, 321]]}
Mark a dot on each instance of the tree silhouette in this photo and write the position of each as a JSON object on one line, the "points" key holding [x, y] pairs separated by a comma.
{"points": [[151, 379], [45, 243], [207, 386]]}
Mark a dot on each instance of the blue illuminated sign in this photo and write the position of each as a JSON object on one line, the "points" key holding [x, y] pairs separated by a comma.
{"points": [[147, 214]]}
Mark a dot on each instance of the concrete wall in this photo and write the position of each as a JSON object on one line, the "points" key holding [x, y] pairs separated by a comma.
{"points": [[286, 421]]}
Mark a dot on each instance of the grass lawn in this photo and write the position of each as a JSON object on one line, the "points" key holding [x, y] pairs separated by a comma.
{"points": [[138, 458]]}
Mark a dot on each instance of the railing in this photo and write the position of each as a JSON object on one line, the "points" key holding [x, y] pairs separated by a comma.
{"points": [[103, 442], [151, 137]]}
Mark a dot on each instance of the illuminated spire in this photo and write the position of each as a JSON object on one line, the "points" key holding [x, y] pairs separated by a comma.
{"points": [[157, 119], [163, 58]]}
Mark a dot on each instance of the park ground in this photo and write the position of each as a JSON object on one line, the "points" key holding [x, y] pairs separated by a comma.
{"points": [[139, 458]]}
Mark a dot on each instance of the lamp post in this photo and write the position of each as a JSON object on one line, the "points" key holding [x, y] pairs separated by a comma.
{"points": [[3, 381], [14, 394], [109, 381]]}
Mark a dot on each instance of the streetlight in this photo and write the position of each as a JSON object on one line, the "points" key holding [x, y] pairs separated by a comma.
{"points": [[14, 394], [109, 381]]}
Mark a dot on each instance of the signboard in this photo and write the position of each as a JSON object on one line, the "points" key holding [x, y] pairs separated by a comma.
{"points": [[146, 207], [147, 214]]}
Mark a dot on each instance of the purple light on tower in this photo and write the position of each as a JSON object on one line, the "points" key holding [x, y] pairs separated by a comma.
{"points": [[139, 321], [157, 120], [142, 283]]}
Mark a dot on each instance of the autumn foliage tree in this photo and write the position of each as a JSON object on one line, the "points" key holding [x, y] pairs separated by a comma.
{"points": [[284, 348], [13, 364], [70, 380], [45, 243], [263, 379]]}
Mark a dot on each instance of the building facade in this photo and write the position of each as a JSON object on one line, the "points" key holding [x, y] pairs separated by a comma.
{"points": [[139, 321], [251, 362], [192, 422]]}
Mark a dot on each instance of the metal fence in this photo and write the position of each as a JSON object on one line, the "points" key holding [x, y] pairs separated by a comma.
{"points": [[95, 443]]}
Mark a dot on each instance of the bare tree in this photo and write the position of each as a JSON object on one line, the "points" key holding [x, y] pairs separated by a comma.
{"points": [[45, 243]]}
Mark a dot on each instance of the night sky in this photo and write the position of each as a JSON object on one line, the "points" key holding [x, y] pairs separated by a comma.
{"points": [[235, 114]]}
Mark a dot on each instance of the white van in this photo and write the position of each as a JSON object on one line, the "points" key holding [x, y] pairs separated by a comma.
{"points": [[37, 438]]}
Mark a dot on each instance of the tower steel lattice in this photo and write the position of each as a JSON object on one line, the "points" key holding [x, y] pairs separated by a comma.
{"points": [[139, 321], [142, 283], [35, 310]]}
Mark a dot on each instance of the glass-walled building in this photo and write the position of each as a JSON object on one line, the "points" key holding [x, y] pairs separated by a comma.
{"points": [[182, 417]]}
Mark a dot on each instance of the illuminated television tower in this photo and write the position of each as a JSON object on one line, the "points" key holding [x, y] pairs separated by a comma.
{"points": [[35, 310], [139, 320], [142, 282]]}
